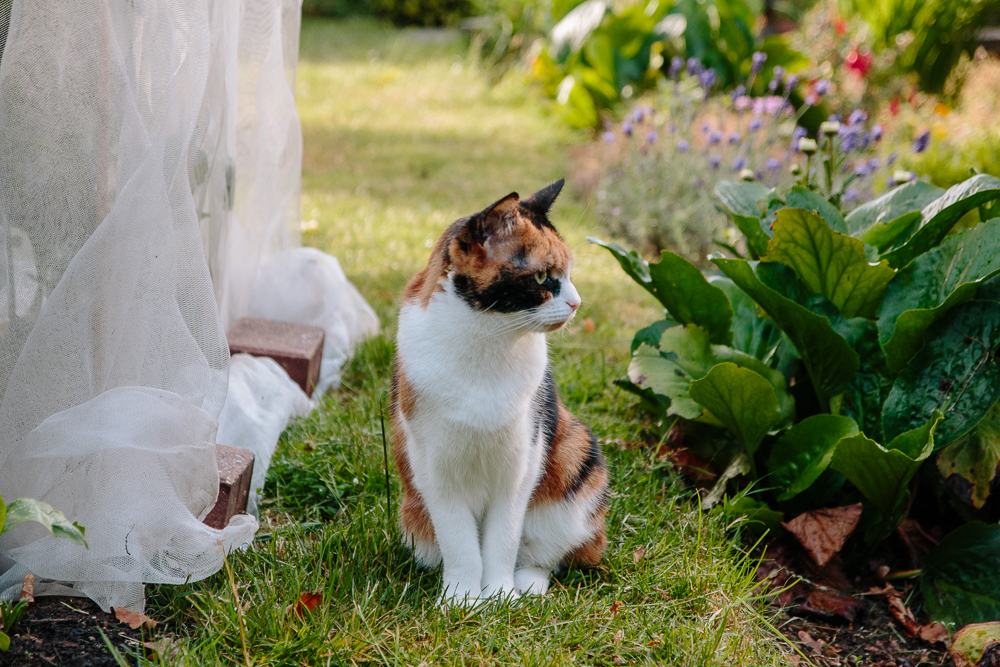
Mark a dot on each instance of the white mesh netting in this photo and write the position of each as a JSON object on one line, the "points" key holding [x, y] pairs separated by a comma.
{"points": [[150, 160]]}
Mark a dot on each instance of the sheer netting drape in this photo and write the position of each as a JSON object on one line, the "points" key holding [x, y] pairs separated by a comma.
{"points": [[149, 162]]}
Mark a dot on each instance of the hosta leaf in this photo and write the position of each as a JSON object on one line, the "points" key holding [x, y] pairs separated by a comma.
{"points": [[974, 457], [866, 394], [940, 216], [934, 282], [681, 288], [742, 399], [828, 357], [829, 263], [959, 580], [881, 220], [685, 354], [804, 451], [956, 372], [27, 509], [882, 474], [651, 335], [756, 335], [808, 200]]}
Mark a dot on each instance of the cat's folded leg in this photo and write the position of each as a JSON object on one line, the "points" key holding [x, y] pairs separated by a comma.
{"points": [[532, 580], [458, 538], [501, 535]]}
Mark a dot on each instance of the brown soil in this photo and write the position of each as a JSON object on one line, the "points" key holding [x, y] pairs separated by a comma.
{"points": [[66, 631]]}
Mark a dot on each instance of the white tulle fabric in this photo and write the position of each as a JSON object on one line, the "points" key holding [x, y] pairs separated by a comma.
{"points": [[150, 160]]}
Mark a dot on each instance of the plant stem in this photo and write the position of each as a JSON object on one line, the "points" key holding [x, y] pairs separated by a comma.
{"points": [[829, 167]]}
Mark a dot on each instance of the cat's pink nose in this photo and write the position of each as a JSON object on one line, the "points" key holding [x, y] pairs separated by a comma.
{"points": [[573, 304]]}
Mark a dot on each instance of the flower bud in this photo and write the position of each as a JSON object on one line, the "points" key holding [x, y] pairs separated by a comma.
{"points": [[796, 170], [747, 175], [807, 146], [901, 176], [830, 128]]}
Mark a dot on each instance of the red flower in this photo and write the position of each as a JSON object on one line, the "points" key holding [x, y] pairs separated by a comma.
{"points": [[894, 105], [858, 62], [839, 25]]}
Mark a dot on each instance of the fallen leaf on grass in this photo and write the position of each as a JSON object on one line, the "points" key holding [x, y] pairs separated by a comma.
{"points": [[933, 633], [691, 466], [164, 648], [307, 602], [616, 606], [133, 618], [975, 643], [619, 636], [815, 644], [831, 603], [823, 532], [639, 553], [903, 615], [28, 589]]}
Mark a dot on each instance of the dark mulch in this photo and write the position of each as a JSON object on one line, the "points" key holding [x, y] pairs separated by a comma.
{"points": [[64, 631]]}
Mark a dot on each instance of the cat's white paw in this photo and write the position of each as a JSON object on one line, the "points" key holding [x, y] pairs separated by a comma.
{"points": [[531, 581], [460, 596]]}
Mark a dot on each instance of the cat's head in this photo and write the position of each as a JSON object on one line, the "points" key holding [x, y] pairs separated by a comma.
{"points": [[509, 261]]}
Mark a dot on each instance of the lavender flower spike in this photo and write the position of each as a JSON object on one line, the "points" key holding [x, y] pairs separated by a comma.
{"points": [[683, 146], [757, 62], [822, 87], [922, 141]]}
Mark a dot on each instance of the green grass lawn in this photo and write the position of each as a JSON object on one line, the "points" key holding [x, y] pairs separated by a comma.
{"points": [[402, 137]]}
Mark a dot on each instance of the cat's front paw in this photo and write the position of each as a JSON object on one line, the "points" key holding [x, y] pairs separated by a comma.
{"points": [[531, 581], [460, 596]]}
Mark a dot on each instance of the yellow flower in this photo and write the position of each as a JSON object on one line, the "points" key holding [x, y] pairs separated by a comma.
{"points": [[942, 109]]}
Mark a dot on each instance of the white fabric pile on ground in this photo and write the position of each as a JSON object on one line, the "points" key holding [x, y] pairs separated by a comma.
{"points": [[150, 159]]}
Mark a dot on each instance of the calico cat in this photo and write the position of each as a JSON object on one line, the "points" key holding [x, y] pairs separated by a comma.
{"points": [[501, 482]]}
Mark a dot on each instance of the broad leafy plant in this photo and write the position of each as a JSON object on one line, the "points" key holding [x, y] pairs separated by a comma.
{"points": [[18, 512], [845, 353]]}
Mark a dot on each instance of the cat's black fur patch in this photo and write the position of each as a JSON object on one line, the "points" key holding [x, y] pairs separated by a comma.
{"points": [[547, 409], [510, 293], [594, 461]]}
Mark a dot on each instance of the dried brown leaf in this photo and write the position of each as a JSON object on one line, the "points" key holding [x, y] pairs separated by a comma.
{"points": [[163, 647], [815, 644], [823, 532], [934, 633], [618, 660], [831, 603], [619, 636], [28, 589], [306, 602], [133, 618], [691, 466], [617, 606], [639, 553]]}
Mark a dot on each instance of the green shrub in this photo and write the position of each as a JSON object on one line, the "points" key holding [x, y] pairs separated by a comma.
{"points": [[400, 12], [846, 353]]}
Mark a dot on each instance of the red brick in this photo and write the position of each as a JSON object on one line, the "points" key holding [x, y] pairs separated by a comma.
{"points": [[235, 470], [297, 347]]}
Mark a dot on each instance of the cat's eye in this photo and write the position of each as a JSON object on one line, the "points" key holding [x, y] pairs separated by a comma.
{"points": [[541, 277]]}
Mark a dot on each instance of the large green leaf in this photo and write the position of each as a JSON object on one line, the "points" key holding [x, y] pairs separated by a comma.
{"points": [[27, 509], [685, 354], [975, 457], [681, 288], [808, 200], [828, 357], [742, 201], [959, 580], [940, 216], [956, 372], [756, 335], [880, 221], [930, 285], [866, 394], [804, 451], [882, 474], [742, 399], [829, 263]]}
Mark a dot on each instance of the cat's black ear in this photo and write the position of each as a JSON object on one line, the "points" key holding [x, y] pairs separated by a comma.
{"points": [[542, 201], [495, 219]]}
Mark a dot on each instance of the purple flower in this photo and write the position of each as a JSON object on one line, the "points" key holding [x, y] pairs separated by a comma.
{"points": [[676, 65], [822, 87], [742, 103], [779, 74], [922, 141], [698, 182], [608, 137], [683, 146], [739, 163], [673, 128], [652, 136], [707, 78], [857, 116], [876, 132], [627, 127], [756, 124], [734, 137], [799, 132], [834, 118], [850, 138], [773, 164], [738, 92], [757, 61], [714, 161], [715, 137], [773, 104], [889, 161], [873, 164], [791, 82], [694, 66], [862, 169], [851, 194]]}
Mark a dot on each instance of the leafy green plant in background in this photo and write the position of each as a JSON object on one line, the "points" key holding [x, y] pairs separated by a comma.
{"points": [[19, 511], [598, 56], [400, 12], [845, 353], [934, 34]]}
